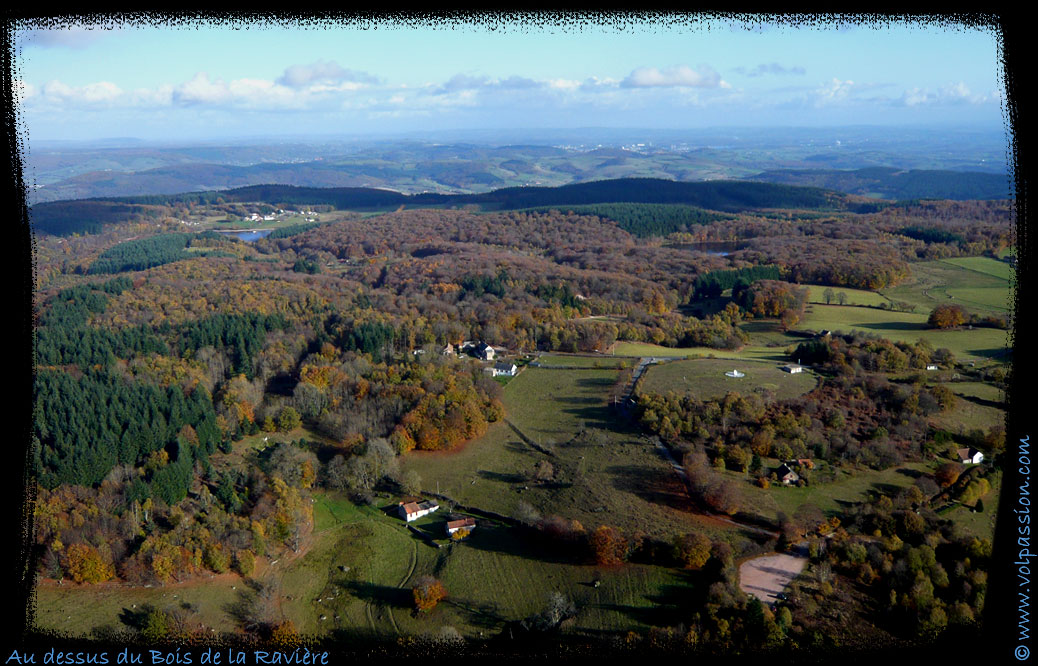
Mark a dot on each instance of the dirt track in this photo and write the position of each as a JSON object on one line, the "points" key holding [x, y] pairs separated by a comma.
{"points": [[765, 577]]}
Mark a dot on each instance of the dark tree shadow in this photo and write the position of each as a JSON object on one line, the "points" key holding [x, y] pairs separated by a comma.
{"points": [[503, 477], [650, 485], [383, 595]]}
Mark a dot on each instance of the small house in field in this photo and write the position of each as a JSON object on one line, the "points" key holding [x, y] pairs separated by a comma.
{"points": [[505, 369], [970, 456], [786, 475], [735, 373], [793, 368], [485, 351], [932, 366], [466, 523], [448, 350], [414, 510]]}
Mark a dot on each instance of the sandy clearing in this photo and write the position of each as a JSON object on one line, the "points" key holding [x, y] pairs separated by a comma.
{"points": [[766, 576]]}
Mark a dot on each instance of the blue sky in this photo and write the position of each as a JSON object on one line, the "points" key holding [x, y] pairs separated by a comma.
{"points": [[214, 81]]}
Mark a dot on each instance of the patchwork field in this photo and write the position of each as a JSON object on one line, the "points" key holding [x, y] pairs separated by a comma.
{"points": [[706, 378]]}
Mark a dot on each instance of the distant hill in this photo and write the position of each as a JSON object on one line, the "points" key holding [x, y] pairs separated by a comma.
{"points": [[889, 183], [729, 195], [85, 216]]}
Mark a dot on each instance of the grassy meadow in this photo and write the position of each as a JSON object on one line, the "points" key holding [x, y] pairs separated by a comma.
{"points": [[706, 378]]}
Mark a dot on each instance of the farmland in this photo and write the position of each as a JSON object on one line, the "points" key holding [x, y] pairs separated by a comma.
{"points": [[705, 378], [979, 284], [604, 471], [969, 344]]}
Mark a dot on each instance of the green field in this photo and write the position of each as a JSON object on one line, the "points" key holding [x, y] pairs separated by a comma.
{"points": [[978, 390], [562, 360], [610, 474], [977, 343], [979, 284], [830, 496], [80, 610], [985, 265], [493, 577], [816, 294], [706, 379], [967, 415], [749, 352]]}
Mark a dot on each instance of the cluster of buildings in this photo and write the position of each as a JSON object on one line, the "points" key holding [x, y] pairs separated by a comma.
{"points": [[484, 352], [415, 509]]}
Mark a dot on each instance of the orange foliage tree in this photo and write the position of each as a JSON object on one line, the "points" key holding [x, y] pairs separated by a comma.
{"points": [[608, 545], [427, 593]]}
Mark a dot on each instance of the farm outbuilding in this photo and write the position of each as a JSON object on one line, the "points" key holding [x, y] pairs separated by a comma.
{"points": [[414, 510]]}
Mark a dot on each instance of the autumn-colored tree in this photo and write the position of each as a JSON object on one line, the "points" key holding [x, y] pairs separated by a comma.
{"points": [[285, 635], [948, 316], [693, 550], [86, 565], [608, 545], [428, 592], [947, 474]]}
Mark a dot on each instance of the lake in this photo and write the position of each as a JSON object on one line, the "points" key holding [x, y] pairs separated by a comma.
{"points": [[248, 235]]}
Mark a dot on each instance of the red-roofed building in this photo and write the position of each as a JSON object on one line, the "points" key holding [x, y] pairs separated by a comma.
{"points": [[466, 523]]}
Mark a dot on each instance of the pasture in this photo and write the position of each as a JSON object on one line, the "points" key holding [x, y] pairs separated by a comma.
{"points": [[979, 284], [574, 361], [749, 352], [816, 294], [706, 379], [976, 344], [848, 486], [603, 471]]}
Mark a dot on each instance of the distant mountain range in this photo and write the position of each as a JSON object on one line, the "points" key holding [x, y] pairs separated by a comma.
{"points": [[888, 183], [87, 215], [860, 163]]}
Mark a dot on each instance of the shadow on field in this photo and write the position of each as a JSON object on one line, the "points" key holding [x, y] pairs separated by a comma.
{"points": [[888, 489], [650, 485], [595, 382], [910, 473], [519, 542], [670, 607], [397, 597], [484, 615], [595, 417], [990, 353], [894, 326], [501, 476]]}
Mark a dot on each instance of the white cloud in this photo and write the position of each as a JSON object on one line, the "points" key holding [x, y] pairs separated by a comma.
{"points": [[100, 93], [956, 93], [326, 72], [679, 76], [834, 90], [563, 84], [460, 82], [771, 68], [200, 90]]}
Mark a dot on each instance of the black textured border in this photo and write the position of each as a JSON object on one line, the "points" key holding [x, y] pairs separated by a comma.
{"points": [[994, 646]]}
